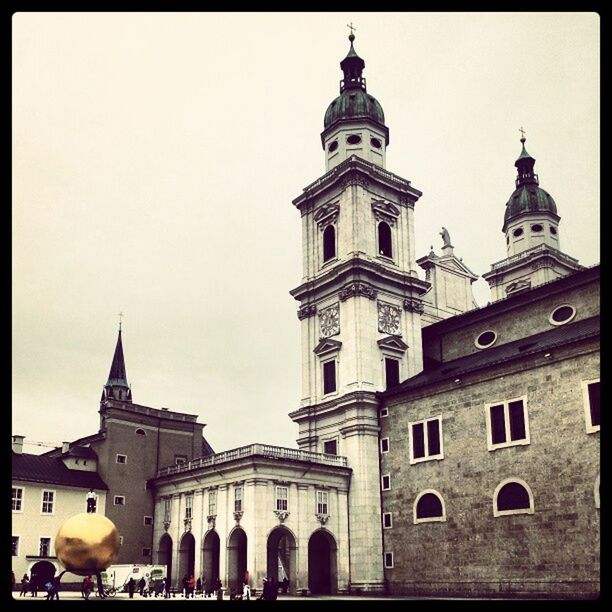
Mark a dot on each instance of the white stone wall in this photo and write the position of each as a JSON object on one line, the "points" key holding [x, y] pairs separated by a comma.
{"points": [[364, 149]]}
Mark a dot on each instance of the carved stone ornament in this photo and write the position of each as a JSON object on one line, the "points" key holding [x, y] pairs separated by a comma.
{"points": [[322, 518], [166, 525], [354, 178], [187, 522], [414, 305], [329, 321], [520, 285], [211, 518], [238, 515], [385, 211], [306, 311], [355, 289], [388, 318], [328, 213], [281, 515]]}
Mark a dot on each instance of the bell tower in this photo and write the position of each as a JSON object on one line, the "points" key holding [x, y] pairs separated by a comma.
{"points": [[360, 305]]}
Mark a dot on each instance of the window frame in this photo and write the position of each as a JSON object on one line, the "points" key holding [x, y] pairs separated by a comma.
{"points": [[139, 431], [212, 495], [333, 360], [569, 320], [426, 457], [396, 360], [279, 499], [388, 556], [238, 499], [116, 497], [506, 403], [500, 486], [334, 257], [481, 346], [18, 545], [21, 499], [391, 241], [586, 402], [49, 550], [429, 519], [167, 510], [188, 506], [334, 439], [382, 482], [382, 450], [52, 502], [145, 554], [384, 412], [322, 502], [124, 461], [390, 515], [144, 520]]}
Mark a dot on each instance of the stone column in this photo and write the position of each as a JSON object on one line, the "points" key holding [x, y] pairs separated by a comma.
{"points": [[223, 524], [196, 530], [343, 541], [303, 518], [175, 530]]}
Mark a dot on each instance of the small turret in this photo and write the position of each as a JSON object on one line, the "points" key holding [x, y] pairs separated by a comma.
{"points": [[117, 386]]}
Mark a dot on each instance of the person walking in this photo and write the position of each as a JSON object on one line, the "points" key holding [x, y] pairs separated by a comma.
{"points": [[25, 585], [87, 587], [34, 585], [141, 586], [219, 589], [191, 585], [131, 585], [199, 586], [166, 588], [92, 501]]}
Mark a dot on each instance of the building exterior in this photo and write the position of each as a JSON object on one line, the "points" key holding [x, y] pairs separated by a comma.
{"points": [[442, 448], [45, 492]]}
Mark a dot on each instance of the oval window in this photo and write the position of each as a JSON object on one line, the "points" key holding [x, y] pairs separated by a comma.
{"points": [[553, 230], [376, 143], [562, 314], [333, 146], [537, 228], [485, 339], [517, 232], [353, 139]]}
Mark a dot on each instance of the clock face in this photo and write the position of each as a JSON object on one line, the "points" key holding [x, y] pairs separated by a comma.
{"points": [[329, 321], [388, 318]]}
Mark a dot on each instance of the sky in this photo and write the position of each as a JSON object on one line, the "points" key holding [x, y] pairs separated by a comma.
{"points": [[156, 156]]}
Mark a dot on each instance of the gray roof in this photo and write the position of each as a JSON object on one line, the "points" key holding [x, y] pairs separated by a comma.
{"points": [[53, 471], [449, 370]]}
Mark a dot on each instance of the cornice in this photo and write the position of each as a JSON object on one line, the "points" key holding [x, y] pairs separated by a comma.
{"points": [[338, 403]]}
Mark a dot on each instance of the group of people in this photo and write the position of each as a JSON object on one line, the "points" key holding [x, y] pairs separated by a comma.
{"points": [[201, 587], [32, 585]]}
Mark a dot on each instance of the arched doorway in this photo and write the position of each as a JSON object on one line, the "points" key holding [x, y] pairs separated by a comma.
{"points": [[186, 556], [164, 554], [42, 572], [236, 559], [211, 548], [322, 563], [282, 556]]}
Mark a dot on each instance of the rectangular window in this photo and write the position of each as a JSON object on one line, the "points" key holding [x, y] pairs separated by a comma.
{"points": [[281, 498], [48, 498], [330, 447], [148, 520], [322, 502], [386, 482], [119, 500], [329, 377], [238, 499], [212, 503], [392, 377], [387, 520], [188, 506], [146, 552], [17, 499], [44, 548], [180, 459], [15, 546], [121, 459], [590, 390], [507, 423], [389, 560], [121, 540], [426, 440], [384, 445], [167, 510], [384, 412]]}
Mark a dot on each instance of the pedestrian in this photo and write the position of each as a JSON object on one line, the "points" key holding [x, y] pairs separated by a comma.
{"points": [[25, 585], [166, 588], [191, 584], [199, 586], [141, 586], [131, 585], [87, 587], [285, 584], [34, 585], [246, 591], [273, 588], [92, 501], [219, 589]]}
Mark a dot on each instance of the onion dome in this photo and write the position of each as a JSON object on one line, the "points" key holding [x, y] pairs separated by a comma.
{"points": [[354, 102], [528, 197]]}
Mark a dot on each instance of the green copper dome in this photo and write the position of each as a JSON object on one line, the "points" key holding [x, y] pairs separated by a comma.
{"points": [[354, 104], [528, 197]]}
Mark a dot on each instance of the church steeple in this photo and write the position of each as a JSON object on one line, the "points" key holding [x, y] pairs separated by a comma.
{"points": [[117, 386], [524, 165], [352, 66]]}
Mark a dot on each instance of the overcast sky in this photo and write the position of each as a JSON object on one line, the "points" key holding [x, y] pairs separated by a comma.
{"points": [[156, 157]]}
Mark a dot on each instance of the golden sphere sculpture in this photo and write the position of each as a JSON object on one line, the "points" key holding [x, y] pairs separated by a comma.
{"points": [[87, 543]]}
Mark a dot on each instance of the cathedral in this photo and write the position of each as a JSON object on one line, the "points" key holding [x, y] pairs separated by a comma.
{"points": [[443, 448]]}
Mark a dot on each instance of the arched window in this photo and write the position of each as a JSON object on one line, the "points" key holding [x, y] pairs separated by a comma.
{"points": [[429, 507], [512, 496], [140, 432], [329, 243], [384, 240]]}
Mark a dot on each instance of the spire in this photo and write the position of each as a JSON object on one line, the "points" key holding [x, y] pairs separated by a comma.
{"points": [[117, 386], [524, 165], [352, 66]]}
